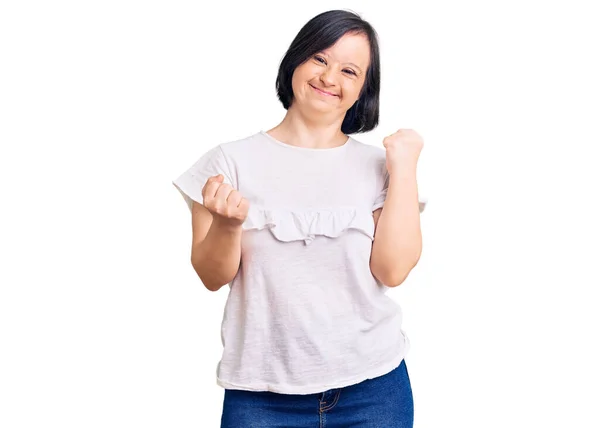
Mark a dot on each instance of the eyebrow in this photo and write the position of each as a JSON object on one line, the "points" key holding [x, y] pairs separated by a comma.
{"points": [[349, 63]]}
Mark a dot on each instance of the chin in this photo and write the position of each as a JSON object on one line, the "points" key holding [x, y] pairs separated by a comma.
{"points": [[321, 106]]}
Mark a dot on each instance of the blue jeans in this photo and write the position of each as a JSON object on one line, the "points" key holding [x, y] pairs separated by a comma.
{"points": [[383, 402]]}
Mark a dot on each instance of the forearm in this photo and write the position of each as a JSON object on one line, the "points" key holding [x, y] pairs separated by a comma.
{"points": [[398, 243], [216, 259]]}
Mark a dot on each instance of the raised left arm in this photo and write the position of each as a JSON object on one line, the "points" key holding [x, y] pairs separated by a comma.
{"points": [[398, 242]]}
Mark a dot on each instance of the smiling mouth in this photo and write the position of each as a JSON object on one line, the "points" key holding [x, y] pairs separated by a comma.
{"points": [[323, 92]]}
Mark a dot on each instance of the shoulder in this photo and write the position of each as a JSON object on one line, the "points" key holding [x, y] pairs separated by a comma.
{"points": [[369, 154], [232, 152], [367, 148], [242, 145], [226, 155]]}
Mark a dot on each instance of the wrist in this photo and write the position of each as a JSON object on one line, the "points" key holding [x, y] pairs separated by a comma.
{"points": [[226, 226], [404, 169]]}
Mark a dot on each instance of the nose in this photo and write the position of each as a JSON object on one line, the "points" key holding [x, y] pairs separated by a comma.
{"points": [[327, 77]]}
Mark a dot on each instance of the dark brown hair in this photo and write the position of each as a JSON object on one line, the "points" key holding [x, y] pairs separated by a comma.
{"points": [[320, 33]]}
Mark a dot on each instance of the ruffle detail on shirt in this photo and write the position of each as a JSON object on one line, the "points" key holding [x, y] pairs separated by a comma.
{"points": [[305, 225]]}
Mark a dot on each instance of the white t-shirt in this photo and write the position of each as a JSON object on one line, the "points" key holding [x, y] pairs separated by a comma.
{"points": [[304, 313]]}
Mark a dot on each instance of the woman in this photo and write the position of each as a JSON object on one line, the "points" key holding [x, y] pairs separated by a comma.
{"points": [[288, 218]]}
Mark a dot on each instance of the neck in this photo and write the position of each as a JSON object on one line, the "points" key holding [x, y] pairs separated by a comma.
{"points": [[316, 131]]}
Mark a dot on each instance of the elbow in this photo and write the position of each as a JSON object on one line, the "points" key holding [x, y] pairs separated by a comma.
{"points": [[212, 288], [388, 277], [392, 277], [212, 285], [210, 282]]}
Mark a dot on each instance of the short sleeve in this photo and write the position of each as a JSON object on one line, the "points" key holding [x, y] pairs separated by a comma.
{"points": [[382, 187], [192, 181], [382, 193]]}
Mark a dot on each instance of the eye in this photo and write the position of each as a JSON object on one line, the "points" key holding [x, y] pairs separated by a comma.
{"points": [[321, 60]]}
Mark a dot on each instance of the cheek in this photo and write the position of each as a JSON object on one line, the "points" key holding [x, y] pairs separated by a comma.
{"points": [[299, 79], [296, 84], [351, 91]]}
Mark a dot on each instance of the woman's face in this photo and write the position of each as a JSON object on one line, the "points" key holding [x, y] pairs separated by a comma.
{"points": [[339, 70]]}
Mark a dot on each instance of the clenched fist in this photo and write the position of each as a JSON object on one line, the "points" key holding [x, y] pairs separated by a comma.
{"points": [[226, 204]]}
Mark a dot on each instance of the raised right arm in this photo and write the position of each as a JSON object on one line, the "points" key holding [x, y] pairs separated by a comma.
{"points": [[216, 248]]}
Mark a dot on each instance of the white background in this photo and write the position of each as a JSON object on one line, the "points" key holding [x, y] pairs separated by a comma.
{"points": [[103, 322]]}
